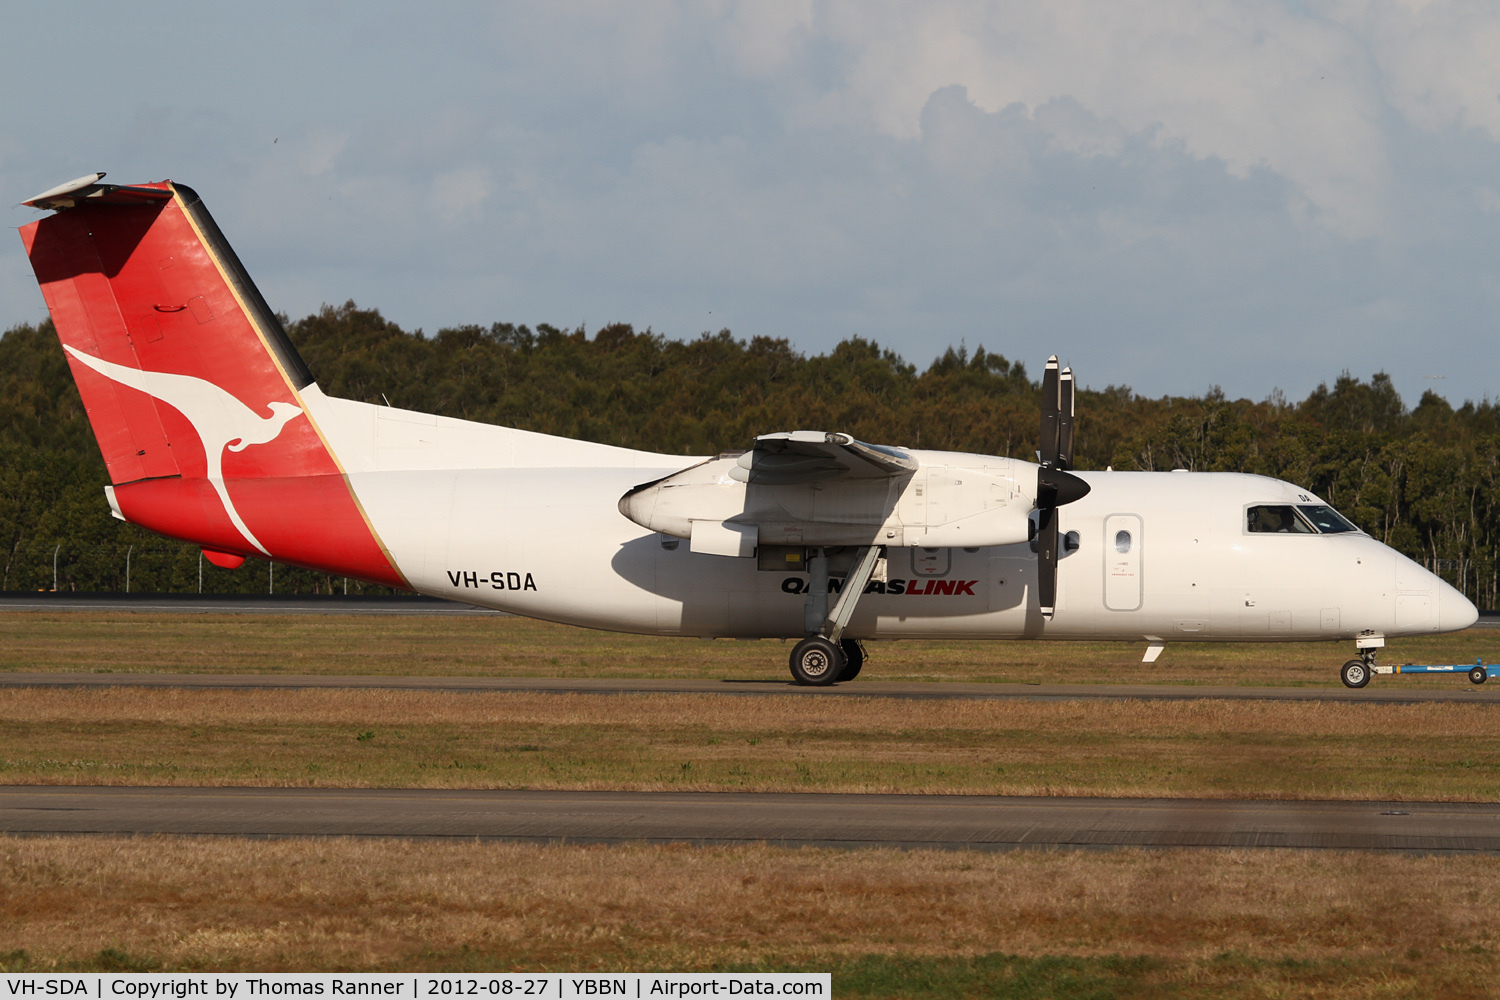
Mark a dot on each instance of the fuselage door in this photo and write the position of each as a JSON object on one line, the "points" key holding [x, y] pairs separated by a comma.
{"points": [[1122, 562]]}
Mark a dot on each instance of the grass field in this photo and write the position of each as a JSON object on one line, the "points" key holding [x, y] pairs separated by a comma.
{"points": [[356, 738], [1127, 923], [519, 647], [910, 924]]}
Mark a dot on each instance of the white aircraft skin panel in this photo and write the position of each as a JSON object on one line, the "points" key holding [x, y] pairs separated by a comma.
{"points": [[568, 555], [1204, 576], [545, 543], [368, 438]]}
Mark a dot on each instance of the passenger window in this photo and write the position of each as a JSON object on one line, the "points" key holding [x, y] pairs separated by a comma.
{"points": [[1122, 542], [1325, 518], [1276, 519]]}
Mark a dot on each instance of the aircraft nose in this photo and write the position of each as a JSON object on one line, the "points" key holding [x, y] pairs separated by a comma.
{"points": [[1455, 611]]}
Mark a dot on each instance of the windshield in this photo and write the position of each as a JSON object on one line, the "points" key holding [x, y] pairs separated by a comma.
{"points": [[1325, 518]]}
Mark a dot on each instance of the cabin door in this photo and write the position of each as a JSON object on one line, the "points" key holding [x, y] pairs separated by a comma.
{"points": [[1122, 562]]}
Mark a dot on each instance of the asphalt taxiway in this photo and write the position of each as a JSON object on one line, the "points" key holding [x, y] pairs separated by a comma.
{"points": [[907, 821], [1459, 689]]}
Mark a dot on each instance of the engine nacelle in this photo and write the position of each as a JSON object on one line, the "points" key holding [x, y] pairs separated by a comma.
{"points": [[949, 500]]}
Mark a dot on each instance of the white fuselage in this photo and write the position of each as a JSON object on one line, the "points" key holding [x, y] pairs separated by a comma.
{"points": [[530, 524]]}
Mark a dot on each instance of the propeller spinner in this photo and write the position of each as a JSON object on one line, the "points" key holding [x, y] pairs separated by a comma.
{"points": [[1055, 486]]}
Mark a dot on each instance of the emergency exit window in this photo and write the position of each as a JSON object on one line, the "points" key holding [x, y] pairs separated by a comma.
{"points": [[931, 562]]}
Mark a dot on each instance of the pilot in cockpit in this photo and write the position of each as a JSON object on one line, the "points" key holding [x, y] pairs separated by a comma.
{"points": [[1275, 519]]}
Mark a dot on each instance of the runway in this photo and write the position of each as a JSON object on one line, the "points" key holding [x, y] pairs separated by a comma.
{"points": [[907, 821], [1457, 688]]}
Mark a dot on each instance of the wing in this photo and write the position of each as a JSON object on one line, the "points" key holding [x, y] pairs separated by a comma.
{"points": [[790, 457]]}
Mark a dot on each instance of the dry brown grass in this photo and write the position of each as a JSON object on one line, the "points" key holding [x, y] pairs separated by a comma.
{"points": [[1209, 748], [382, 904], [723, 712], [462, 646]]}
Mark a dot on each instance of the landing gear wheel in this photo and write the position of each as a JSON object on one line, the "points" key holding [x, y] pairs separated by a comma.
{"points": [[1478, 675], [817, 662], [1356, 674], [854, 658]]}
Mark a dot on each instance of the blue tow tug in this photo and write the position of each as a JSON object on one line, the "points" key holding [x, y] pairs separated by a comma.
{"points": [[1357, 673]]}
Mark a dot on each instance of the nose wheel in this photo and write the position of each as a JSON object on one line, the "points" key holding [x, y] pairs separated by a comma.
{"points": [[1355, 674]]}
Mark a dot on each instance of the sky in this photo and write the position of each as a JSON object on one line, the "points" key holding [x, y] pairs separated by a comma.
{"points": [[1171, 195]]}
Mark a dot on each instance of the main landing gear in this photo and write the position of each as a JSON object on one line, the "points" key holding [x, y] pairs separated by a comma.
{"points": [[826, 657], [819, 661]]}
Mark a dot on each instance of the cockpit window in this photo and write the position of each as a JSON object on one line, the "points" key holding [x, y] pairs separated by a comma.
{"points": [[1276, 519], [1301, 519], [1325, 518]]}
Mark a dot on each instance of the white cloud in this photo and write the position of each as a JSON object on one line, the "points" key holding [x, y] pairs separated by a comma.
{"points": [[319, 151], [1438, 59], [1253, 85], [458, 193], [763, 37], [1151, 186]]}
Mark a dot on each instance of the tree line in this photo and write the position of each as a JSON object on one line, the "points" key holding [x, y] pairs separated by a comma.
{"points": [[1422, 479]]}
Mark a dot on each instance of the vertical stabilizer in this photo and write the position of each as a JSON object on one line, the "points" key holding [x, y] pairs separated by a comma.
{"points": [[192, 387]]}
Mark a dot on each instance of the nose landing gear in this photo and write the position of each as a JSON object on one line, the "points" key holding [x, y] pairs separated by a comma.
{"points": [[1357, 673]]}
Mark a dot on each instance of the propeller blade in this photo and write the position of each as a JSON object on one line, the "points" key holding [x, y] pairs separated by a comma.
{"points": [[1046, 561], [1065, 421], [1054, 485], [1051, 413]]}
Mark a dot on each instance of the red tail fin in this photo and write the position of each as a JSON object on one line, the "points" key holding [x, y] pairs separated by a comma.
{"points": [[190, 382]]}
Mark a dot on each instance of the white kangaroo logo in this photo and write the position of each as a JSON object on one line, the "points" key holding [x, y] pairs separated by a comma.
{"points": [[220, 419]]}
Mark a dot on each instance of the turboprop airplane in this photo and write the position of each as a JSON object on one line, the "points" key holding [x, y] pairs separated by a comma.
{"points": [[214, 432]]}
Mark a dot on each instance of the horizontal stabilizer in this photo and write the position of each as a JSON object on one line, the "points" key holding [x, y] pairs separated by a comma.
{"points": [[88, 189]]}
